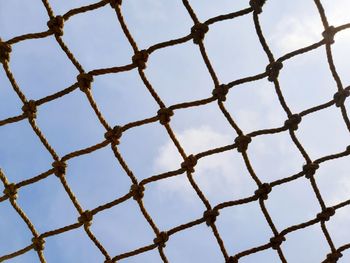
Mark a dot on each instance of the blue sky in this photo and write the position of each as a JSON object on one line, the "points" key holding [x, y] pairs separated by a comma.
{"points": [[178, 74]]}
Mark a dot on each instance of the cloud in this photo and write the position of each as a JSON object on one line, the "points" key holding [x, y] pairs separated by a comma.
{"points": [[221, 175], [343, 193], [295, 31], [335, 180], [337, 11], [219, 172], [292, 33]]}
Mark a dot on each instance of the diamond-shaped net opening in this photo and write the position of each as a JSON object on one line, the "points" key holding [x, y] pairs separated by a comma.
{"points": [[113, 135]]}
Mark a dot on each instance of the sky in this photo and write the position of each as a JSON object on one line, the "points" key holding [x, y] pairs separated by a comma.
{"points": [[178, 74]]}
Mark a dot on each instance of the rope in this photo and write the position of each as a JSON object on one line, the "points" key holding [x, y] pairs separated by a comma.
{"points": [[114, 136]]}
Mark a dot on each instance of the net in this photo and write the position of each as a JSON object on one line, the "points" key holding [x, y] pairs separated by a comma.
{"points": [[113, 135]]}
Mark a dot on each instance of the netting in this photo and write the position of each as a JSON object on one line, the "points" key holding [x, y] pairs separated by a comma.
{"points": [[113, 135]]}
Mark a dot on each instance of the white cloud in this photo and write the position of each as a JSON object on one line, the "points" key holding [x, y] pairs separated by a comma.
{"points": [[292, 33], [342, 192], [249, 119], [217, 175], [337, 11], [295, 31]]}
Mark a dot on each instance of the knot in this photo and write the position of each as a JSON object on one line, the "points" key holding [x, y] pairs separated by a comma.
{"points": [[29, 109], [60, 168], [310, 169], [328, 35], [114, 3], [198, 32], [257, 5], [10, 191], [189, 163], [263, 191], [333, 257], [38, 244], [164, 115], [140, 58], [161, 239], [292, 122], [277, 241], [273, 70], [340, 97], [56, 25], [137, 191], [232, 259], [85, 218], [242, 142], [210, 216], [114, 135], [84, 81], [326, 214], [5, 50], [220, 92]]}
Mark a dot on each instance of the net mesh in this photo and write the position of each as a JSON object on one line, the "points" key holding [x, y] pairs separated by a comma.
{"points": [[164, 114]]}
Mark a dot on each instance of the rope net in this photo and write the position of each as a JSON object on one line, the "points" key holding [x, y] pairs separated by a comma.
{"points": [[113, 135]]}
